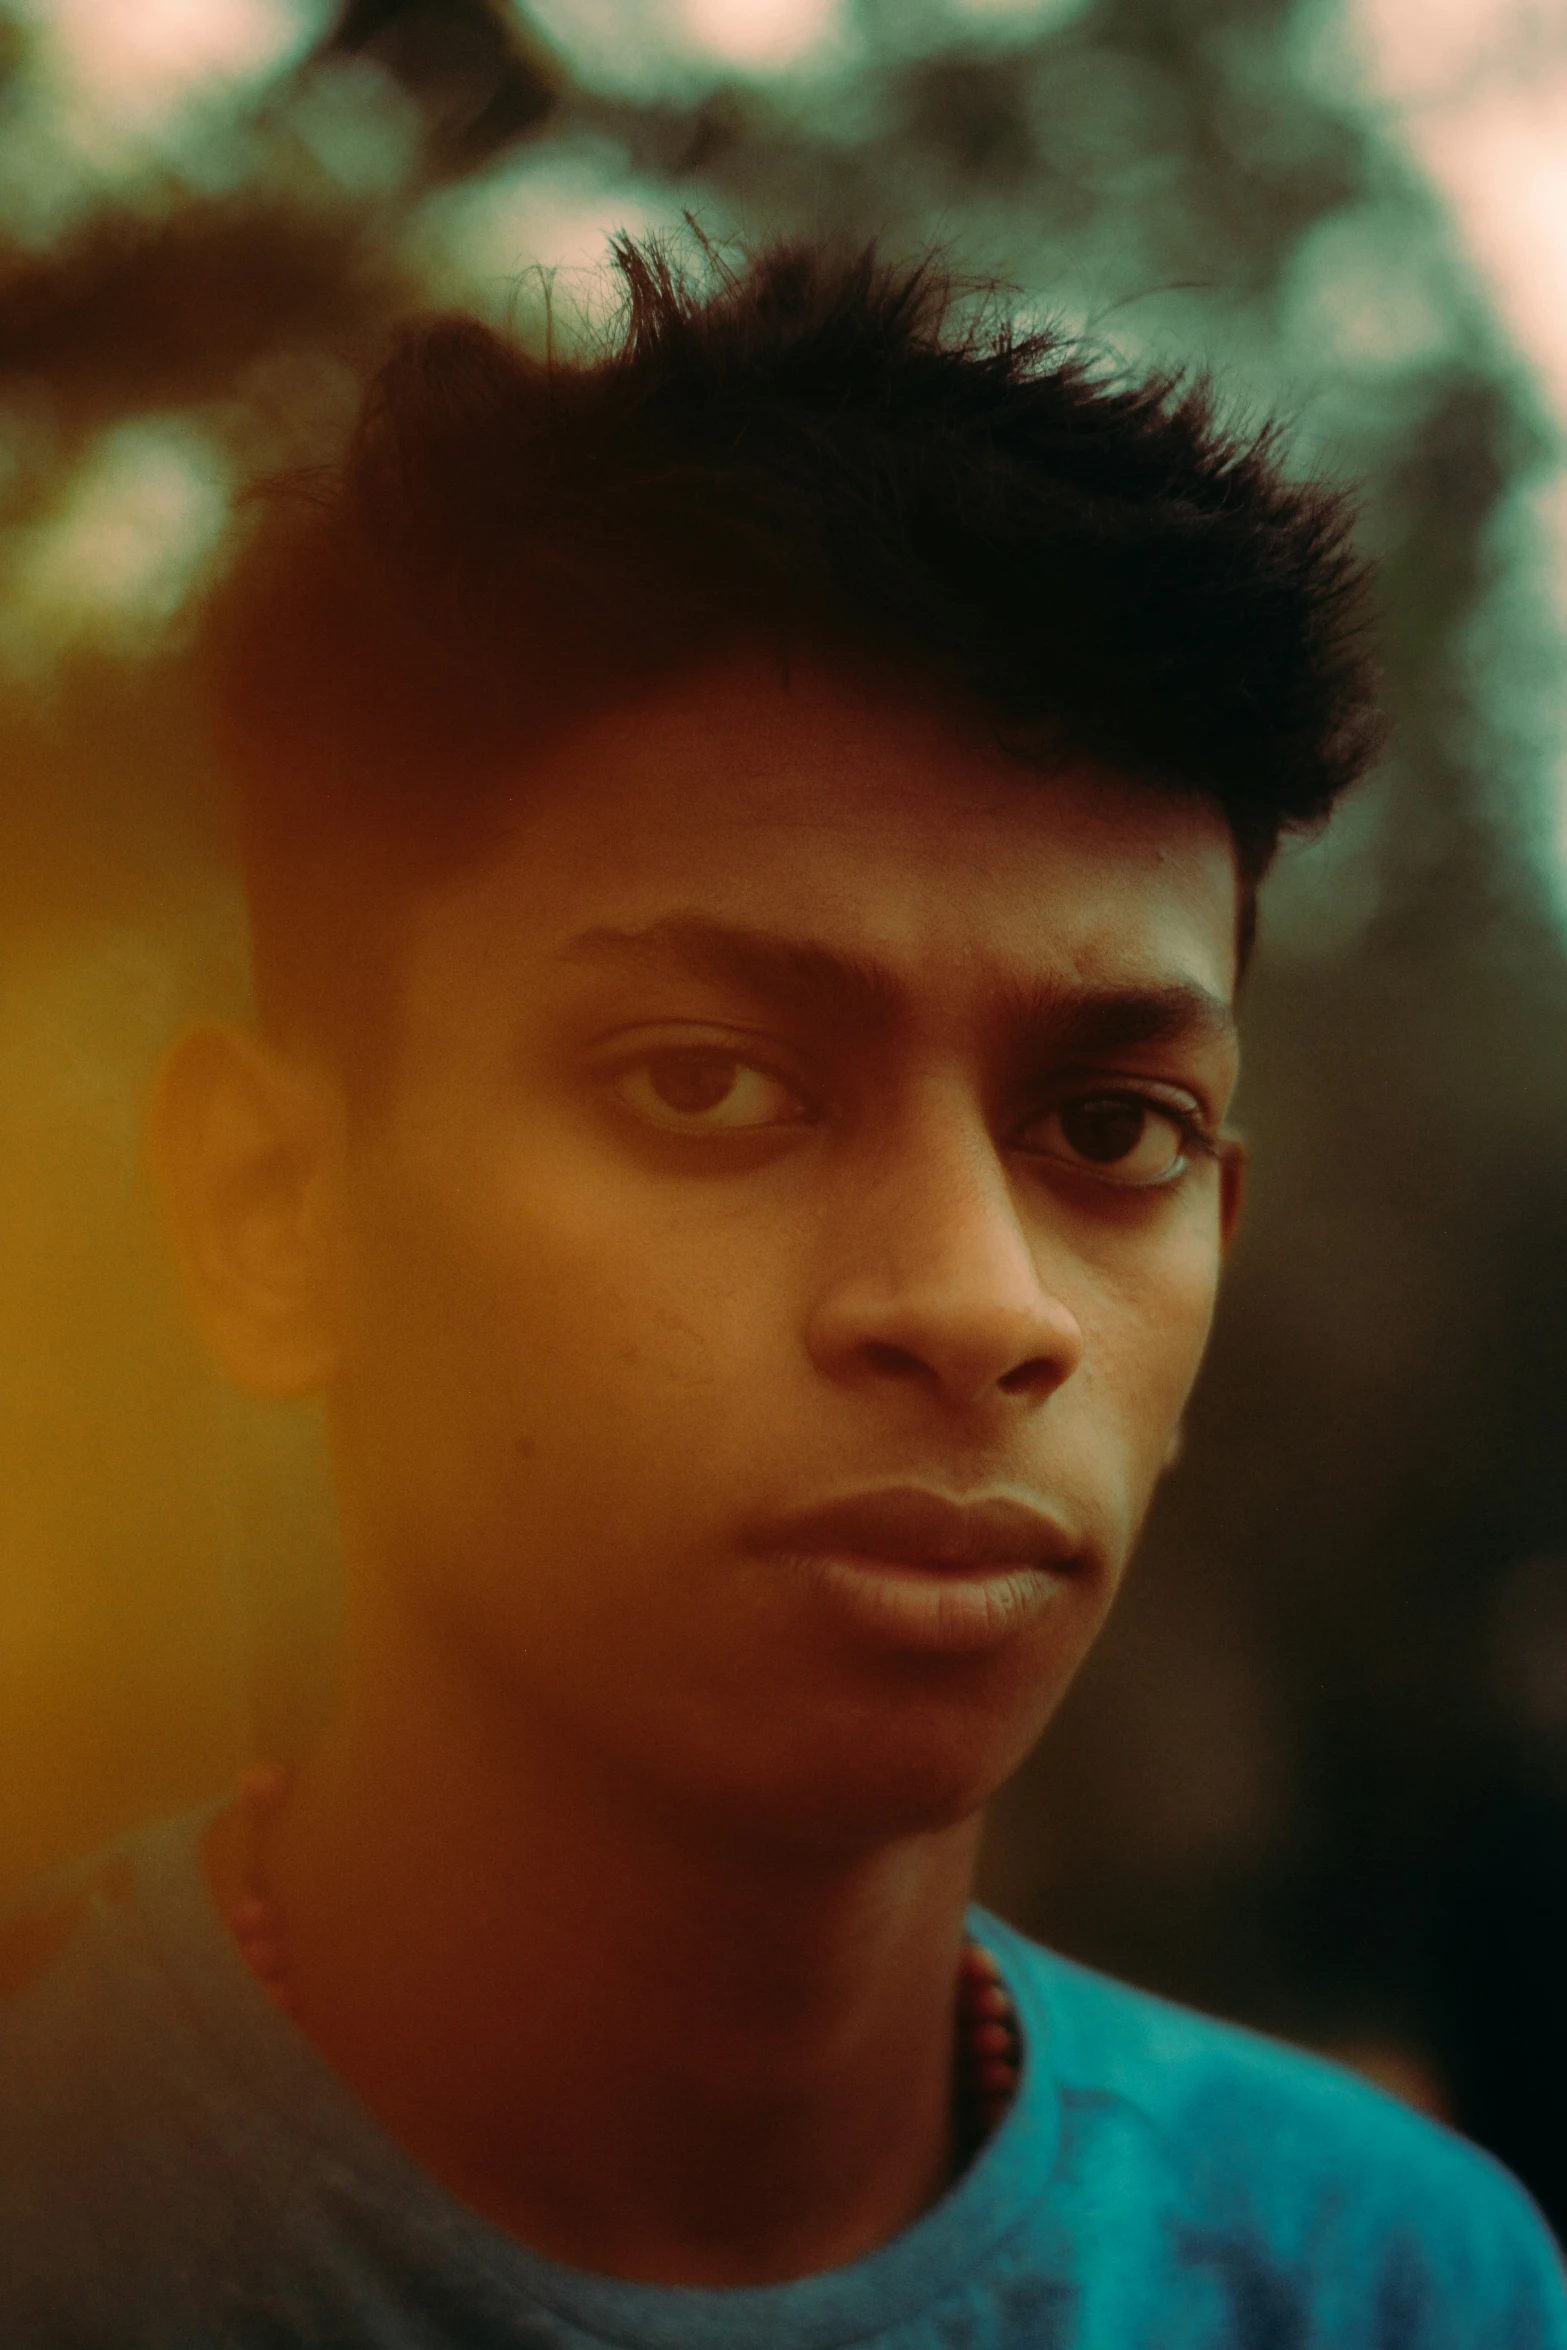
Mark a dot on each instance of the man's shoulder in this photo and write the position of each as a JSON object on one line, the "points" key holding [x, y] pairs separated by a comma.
{"points": [[39, 1924], [1260, 2151], [1180, 2071], [82, 2017], [103, 2045], [122, 2176], [50, 1946], [96, 1966], [69, 2077]]}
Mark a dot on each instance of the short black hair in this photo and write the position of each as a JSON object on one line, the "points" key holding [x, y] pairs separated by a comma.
{"points": [[812, 448]]}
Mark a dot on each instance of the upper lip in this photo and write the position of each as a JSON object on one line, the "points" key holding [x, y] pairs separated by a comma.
{"points": [[908, 1523]]}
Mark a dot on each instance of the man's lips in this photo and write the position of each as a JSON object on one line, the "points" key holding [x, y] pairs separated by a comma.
{"points": [[912, 1569], [909, 1525]]}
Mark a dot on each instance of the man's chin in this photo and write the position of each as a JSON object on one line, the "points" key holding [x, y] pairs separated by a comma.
{"points": [[857, 1787]]}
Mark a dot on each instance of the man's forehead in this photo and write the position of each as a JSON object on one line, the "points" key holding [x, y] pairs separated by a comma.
{"points": [[881, 833]]}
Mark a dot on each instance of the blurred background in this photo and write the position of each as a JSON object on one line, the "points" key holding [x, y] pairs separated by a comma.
{"points": [[1317, 1776]]}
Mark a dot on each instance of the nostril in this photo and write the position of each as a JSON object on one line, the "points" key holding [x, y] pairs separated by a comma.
{"points": [[895, 1360], [1027, 1378]]}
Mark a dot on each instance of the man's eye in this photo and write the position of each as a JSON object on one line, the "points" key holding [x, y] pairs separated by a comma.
{"points": [[708, 1093], [1122, 1137]]}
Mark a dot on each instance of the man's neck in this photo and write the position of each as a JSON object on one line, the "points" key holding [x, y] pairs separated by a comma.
{"points": [[647, 2049]]}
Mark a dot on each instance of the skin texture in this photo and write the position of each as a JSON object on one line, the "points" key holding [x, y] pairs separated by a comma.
{"points": [[731, 1162]]}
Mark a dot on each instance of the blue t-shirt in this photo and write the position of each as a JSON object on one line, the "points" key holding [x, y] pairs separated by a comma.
{"points": [[180, 2171]]}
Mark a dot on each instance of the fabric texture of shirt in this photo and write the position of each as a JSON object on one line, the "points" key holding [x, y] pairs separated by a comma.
{"points": [[179, 2170]]}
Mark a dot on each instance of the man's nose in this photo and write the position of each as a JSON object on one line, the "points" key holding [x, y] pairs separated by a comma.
{"points": [[935, 1281]]}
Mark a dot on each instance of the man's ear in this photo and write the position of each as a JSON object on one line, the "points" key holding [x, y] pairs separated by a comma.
{"points": [[1232, 1188], [245, 1145]]}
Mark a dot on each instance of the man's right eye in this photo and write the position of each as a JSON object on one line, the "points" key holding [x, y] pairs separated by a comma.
{"points": [[706, 1092]]}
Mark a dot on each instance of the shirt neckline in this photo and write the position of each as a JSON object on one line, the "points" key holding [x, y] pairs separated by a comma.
{"points": [[278, 2068]]}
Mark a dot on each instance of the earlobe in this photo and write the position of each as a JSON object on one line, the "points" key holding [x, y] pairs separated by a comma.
{"points": [[243, 1142]]}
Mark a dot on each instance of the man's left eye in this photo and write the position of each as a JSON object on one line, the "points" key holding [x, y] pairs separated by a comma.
{"points": [[707, 1093], [1120, 1137]]}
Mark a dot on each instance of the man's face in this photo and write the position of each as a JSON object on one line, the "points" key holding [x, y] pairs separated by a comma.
{"points": [[810, 1119]]}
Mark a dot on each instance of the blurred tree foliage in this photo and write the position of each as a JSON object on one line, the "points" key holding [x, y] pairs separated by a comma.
{"points": [[1315, 1777]]}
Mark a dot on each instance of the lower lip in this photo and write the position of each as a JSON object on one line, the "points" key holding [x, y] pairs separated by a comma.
{"points": [[943, 1610]]}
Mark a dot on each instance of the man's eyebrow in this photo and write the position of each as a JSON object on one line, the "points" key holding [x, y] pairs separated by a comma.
{"points": [[799, 973], [808, 976], [1093, 1020]]}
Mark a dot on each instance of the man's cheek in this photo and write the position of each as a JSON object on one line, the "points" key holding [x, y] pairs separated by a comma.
{"points": [[618, 1423], [1145, 1345]]}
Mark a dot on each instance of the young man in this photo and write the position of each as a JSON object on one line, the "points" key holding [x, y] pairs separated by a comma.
{"points": [[751, 842]]}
